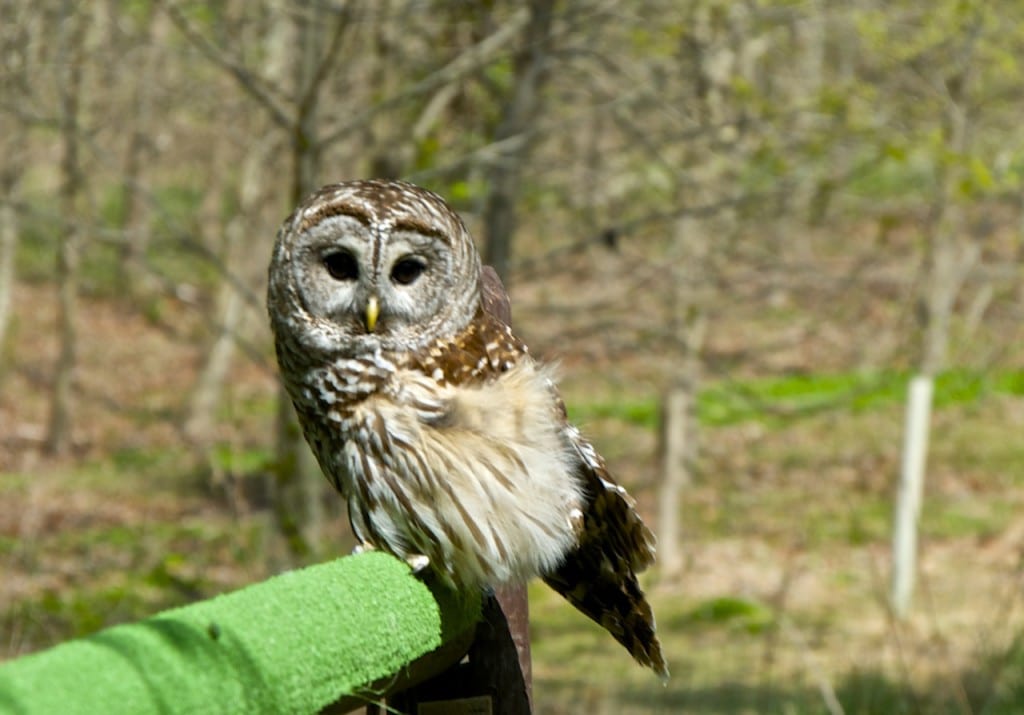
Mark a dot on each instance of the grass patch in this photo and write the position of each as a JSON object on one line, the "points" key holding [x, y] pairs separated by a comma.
{"points": [[780, 400], [13, 482], [812, 522], [228, 458], [745, 613], [84, 612], [125, 571], [139, 470], [975, 518]]}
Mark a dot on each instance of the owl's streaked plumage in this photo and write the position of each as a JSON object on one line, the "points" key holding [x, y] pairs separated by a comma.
{"points": [[427, 413]]}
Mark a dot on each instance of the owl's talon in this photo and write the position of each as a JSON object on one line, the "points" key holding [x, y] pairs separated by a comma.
{"points": [[417, 562], [362, 547]]}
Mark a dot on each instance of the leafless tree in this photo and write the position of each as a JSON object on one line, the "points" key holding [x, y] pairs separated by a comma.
{"points": [[135, 225], [70, 64], [515, 130]]}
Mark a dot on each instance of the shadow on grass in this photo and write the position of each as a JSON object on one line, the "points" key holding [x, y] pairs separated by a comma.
{"points": [[994, 687]]}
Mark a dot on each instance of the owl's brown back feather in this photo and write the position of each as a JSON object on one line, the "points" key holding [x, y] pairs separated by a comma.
{"points": [[493, 296]]}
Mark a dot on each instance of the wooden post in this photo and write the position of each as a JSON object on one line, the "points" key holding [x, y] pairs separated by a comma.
{"points": [[515, 605], [908, 504], [493, 679]]}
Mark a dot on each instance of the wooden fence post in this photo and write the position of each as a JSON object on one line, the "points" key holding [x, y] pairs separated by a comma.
{"points": [[494, 677]]}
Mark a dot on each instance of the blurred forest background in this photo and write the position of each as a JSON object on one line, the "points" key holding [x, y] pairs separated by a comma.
{"points": [[739, 226]]}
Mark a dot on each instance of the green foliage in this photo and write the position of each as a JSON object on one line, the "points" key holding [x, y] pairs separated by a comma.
{"points": [[229, 459], [138, 10], [183, 261], [177, 252], [112, 206], [427, 150], [500, 74], [205, 15], [100, 271], [174, 572], [745, 613], [899, 175], [179, 206], [767, 166], [35, 260], [465, 192]]}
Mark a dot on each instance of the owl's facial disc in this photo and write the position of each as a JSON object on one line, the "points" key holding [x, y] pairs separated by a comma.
{"points": [[381, 286]]}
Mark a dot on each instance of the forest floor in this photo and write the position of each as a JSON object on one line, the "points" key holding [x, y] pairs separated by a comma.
{"points": [[782, 605]]}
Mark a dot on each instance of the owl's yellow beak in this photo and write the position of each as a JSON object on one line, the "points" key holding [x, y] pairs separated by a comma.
{"points": [[372, 311]]}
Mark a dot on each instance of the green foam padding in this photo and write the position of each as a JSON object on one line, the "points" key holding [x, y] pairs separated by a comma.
{"points": [[291, 644]]}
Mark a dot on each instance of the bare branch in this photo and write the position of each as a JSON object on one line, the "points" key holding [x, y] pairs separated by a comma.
{"points": [[327, 61], [469, 61], [247, 80]]}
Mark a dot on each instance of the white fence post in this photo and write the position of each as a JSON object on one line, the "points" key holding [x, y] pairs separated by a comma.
{"points": [[908, 505]]}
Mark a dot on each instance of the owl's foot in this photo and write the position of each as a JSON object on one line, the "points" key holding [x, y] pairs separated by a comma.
{"points": [[417, 562], [362, 547]]}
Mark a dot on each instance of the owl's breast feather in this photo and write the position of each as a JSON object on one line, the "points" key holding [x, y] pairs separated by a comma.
{"points": [[478, 478]]}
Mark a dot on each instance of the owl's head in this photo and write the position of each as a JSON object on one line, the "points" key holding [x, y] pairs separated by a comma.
{"points": [[372, 265]]}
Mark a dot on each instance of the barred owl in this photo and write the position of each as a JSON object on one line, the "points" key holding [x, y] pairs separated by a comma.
{"points": [[449, 443]]}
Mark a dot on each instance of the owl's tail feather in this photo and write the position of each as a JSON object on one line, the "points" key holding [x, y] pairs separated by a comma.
{"points": [[599, 576], [605, 589]]}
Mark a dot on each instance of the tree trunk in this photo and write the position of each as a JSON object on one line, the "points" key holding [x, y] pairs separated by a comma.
{"points": [[679, 429], [14, 48], [298, 483], [134, 220], [209, 386], [71, 57], [949, 258], [10, 178], [251, 194], [8, 244], [519, 115]]}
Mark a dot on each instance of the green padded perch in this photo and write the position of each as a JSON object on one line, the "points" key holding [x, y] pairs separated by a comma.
{"points": [[292, 644]]}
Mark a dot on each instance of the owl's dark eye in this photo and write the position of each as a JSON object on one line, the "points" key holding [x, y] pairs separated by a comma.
{"points": [[342, 266], [407, 270]]}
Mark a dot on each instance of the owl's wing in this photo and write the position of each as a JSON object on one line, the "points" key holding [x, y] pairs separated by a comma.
{"points": [[493, 296], [599, 576]]}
